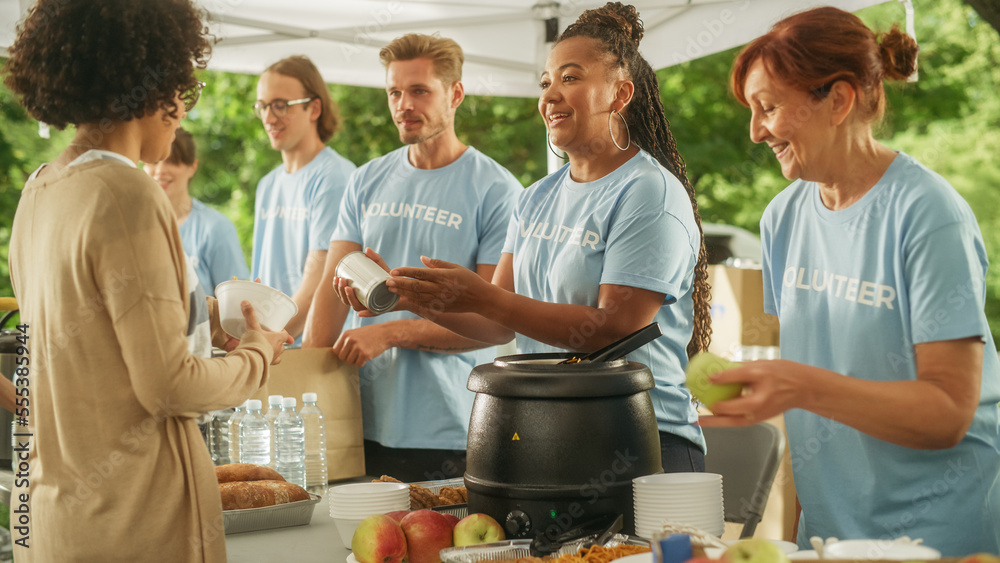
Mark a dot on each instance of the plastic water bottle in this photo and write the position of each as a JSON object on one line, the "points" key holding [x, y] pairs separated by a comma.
{"points": [[255, 436], [315, 437], [273, 408], [291, 444], [220, 436], [233, 436]]}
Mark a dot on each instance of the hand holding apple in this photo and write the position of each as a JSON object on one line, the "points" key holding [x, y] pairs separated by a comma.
{"points": [[427, 533], [378, 539], [477, 528], [700, 367]]}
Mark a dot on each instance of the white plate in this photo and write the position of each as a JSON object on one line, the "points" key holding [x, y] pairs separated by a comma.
{"points": [[879, 549], [804, 554], [637, 558], [351, 559]]}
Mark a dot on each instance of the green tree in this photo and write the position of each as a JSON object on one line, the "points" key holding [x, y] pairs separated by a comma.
{"points": [[948, 120]]}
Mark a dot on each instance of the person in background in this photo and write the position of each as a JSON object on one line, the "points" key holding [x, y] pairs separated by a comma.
{"points": [[435, 195], [118, 467], [297, 202], [875, 267], [604, 246], [211, 244]]}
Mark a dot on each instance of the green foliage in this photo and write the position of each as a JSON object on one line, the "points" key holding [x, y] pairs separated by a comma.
{"points": [[948, 120]]}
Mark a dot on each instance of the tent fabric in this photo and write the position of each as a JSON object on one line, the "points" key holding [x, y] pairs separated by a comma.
{"points": [[505, 41]]}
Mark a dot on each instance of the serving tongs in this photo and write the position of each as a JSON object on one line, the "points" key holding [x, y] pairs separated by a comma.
{"points": [[603, 527], [620, 348]]}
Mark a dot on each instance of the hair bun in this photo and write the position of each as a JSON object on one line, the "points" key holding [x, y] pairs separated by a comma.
{"points": [[616, 15], [898, 52]]}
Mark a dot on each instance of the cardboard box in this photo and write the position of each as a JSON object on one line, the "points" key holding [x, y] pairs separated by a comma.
{"points": [[318, 370], [738, 317]]}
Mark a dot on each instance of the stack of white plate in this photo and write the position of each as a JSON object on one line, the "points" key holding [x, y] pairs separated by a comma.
{"points": [[350, 504], [692, 499]]}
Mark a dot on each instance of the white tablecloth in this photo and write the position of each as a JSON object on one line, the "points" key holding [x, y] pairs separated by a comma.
{"points": [[317, 542]]}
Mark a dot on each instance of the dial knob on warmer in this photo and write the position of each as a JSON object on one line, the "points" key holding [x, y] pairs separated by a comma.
{"points": [[517, 524]]}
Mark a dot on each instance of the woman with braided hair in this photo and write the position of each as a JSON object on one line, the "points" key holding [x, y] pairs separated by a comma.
{"points": [[604, 246]]}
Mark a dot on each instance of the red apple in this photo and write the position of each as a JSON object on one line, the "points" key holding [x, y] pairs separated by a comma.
{"points": [[379, 539], [427, 533], [477, 528], [397, 515], [451, 518]]}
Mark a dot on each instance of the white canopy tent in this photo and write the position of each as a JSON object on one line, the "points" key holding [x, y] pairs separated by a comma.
{"points": [[505, 41]]}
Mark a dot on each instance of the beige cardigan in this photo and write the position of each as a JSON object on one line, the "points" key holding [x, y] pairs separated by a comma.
{"points": [[119, 470]]}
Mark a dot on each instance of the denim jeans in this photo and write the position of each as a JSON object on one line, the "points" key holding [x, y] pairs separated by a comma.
{"points": [[680, 455]]}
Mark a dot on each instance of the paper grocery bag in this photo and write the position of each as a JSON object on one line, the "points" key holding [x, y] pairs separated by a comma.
{"points": [[318, 370]]}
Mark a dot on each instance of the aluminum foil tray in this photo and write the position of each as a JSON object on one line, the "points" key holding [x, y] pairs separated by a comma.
{"points": [[459, 510], [515, 549], [297, 513]]}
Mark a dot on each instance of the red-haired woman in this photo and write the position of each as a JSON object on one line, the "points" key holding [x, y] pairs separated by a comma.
{"points": [[875, 267]]}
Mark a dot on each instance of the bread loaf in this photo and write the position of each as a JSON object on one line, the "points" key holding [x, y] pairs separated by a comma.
{"points": [[255, 494], [246, 472]]}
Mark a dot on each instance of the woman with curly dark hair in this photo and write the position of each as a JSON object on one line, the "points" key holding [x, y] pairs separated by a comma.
{"points": [[117, 466], [604, 246]]}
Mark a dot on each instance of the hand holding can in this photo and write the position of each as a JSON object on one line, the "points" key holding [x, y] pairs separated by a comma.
{"points": [[368, 280]]}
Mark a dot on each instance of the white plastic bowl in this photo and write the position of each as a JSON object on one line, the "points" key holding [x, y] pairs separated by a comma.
{"points": [[346, 527], [879, 549], [274, 309], [369, 489], [371, 497], [341, 512], [668, 480]]}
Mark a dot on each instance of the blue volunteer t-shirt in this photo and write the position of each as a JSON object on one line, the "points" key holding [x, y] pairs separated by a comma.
{"points": [[212, 247], [634, 228], [294, 214], [854, 291], [458, 213]]}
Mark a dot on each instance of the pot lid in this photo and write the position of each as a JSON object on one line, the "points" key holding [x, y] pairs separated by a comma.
{"points": [[542, 376]]}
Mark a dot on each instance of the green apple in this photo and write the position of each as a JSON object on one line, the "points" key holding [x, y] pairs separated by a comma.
{"points": [[754, 550], [379, 539], [700, 367], [477, 528]]}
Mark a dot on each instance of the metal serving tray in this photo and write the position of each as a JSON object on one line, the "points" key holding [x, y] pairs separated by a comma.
{"points": [[297, 513]]}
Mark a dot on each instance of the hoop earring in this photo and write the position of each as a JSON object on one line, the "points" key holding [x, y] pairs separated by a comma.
{"points": [[551, 150], [627, 132]]}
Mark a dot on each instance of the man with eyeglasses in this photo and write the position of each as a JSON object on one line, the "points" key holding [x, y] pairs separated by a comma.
{"points": [[435, 196], [297, 203]]}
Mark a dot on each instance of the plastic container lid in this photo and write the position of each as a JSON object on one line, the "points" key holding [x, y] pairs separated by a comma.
{"points": [[309, 397], [288, 402], [253, 404], [274, 399]]}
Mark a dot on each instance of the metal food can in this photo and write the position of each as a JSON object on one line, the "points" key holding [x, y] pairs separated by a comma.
{"points": [[368, 280]]}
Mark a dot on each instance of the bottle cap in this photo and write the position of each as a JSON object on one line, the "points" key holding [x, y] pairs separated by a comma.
{"points": [[287, 402], [274, 399], [253, 404], [309, 397]]}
